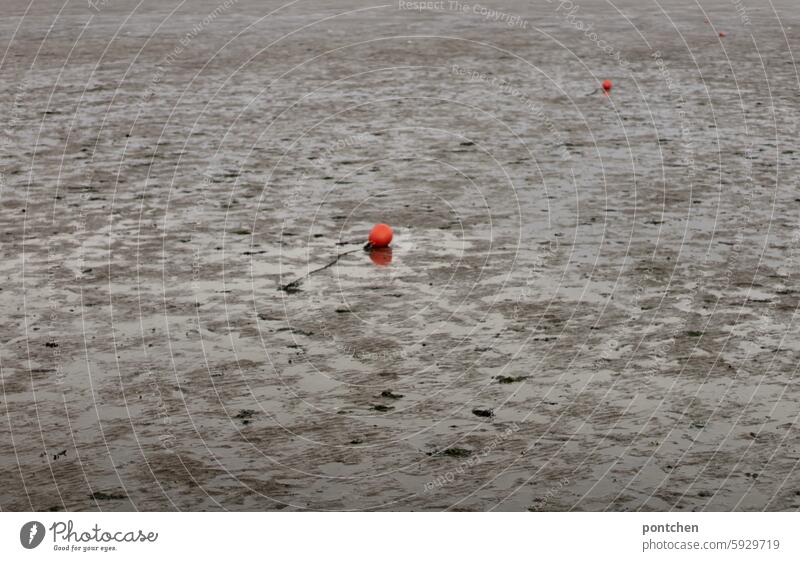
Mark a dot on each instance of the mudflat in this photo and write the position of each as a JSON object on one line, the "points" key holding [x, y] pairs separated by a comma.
{"points": [[589, 302]]}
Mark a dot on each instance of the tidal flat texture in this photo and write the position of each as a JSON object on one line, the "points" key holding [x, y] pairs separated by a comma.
{"points": [[589, 302]]}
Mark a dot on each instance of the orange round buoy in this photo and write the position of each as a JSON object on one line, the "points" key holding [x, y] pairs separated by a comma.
{"points": [[607, 85], [381, 235], [722, 34]]}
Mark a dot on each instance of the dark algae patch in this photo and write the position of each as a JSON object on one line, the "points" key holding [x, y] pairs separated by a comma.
{"points": [[511, 379], [456, 452], [101, 496], [245, 416]]}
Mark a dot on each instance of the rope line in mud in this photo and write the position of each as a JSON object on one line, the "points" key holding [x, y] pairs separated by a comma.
{"points": [[293, 286]]}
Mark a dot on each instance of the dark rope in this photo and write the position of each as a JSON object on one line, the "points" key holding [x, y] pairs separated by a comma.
{"points": [[292, 287]]}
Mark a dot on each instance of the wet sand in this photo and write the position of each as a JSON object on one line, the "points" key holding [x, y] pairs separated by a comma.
{"points": [[590, 300]]}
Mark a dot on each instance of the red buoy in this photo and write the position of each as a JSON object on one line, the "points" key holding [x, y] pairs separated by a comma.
{"points": [[607, 85], [722, 34], [381, 235]]}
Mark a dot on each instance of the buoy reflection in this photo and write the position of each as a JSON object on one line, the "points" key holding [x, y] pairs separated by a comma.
{"points": [[381, 256]]}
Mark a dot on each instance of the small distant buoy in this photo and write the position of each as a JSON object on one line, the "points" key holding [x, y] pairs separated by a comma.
{"points": [[607, 85], [381, 235], [722, 34]]}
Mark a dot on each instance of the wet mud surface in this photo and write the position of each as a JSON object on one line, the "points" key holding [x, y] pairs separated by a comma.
{"points": [[589, 303]]}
